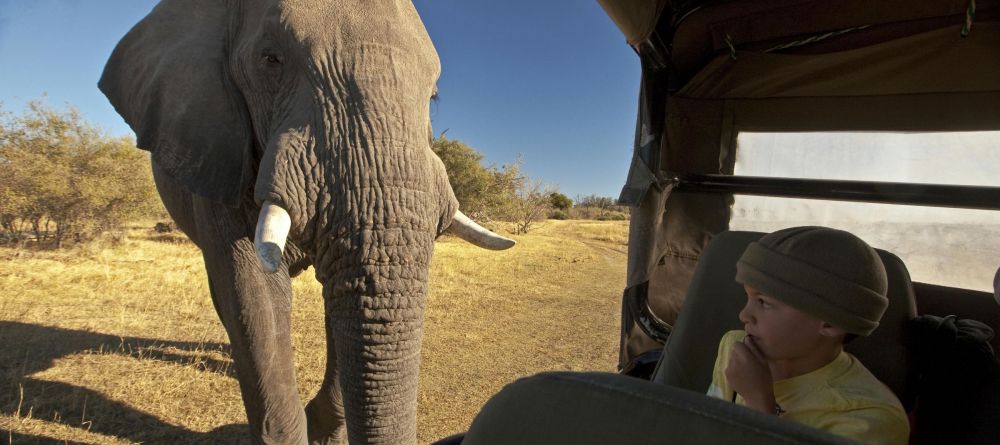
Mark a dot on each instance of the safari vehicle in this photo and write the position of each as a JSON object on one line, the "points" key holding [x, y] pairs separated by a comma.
{"points": [[715, 73]]}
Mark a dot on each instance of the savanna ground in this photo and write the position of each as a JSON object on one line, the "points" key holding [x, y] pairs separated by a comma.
{"points": [[116, 344]]}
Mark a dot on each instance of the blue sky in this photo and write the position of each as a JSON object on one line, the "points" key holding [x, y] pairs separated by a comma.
{"points": [[552, 80]]}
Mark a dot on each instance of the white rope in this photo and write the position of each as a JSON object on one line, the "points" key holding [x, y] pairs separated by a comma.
{"points": [[814, 39]]}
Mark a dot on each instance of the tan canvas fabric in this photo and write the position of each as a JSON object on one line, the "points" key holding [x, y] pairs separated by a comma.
{"points": [[940, 61], [936, 81], [761, 24], [668, 257], [635, 18]]}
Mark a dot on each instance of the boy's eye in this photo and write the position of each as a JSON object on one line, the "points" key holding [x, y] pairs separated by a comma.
{"points": [[762, 303]]}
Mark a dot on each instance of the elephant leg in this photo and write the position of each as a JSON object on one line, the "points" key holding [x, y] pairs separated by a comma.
{"points": [[325, 413], [255, 309]]}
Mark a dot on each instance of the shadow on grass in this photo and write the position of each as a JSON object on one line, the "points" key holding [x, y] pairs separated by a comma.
{"points": [[26, 349], [20, 438]]}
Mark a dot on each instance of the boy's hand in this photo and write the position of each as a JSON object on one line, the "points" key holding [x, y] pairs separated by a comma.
{"points": [[749, 375]]}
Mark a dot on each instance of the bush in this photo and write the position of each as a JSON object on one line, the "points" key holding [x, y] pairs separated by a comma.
{"points": [[613, 216], [601, 208], [469, 179], [489, 194], [531, 205], [63, 180], [561, 201], [559, 215]]}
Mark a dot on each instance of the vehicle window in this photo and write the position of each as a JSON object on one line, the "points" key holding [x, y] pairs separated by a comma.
{"points": [[951, 247]]}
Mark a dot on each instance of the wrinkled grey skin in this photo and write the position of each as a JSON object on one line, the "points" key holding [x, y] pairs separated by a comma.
{"points": [[321, 108]]}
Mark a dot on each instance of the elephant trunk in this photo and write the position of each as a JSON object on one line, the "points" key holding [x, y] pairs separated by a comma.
{"points": [[376, 312]]}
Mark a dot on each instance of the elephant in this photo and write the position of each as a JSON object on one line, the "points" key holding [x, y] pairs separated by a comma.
{"points": [[286, 134]]}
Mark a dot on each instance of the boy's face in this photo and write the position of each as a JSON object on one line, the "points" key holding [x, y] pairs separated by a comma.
{"points": [[779, 330]]}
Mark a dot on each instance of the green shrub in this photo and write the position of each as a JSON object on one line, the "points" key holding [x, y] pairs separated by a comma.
{"points": [[558, 214], [613, 216], [64, 180]]}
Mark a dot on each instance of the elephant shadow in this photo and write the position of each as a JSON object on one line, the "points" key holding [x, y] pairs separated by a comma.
{"points": [[27, 349]]}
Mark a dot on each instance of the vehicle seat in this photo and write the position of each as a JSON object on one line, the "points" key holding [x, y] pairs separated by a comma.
{"points": [[714, 300], [594, 408]]}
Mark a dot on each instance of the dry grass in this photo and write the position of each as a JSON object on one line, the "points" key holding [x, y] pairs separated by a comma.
{"points": [[99, 346]]}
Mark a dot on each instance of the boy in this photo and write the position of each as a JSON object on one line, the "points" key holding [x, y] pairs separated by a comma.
{"points": [[810, 289]]}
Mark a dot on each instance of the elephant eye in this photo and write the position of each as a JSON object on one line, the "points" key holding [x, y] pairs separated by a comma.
{"points": [[271, 59]]}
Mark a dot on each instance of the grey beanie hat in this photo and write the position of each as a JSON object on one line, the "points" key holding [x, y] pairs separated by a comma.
{"points": [[827, 273]]}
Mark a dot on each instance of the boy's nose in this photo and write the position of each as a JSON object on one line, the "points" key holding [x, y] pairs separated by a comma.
{"points": [[745, 315]]}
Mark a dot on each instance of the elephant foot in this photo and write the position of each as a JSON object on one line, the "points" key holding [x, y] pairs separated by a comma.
{"points": [[325, 423]]}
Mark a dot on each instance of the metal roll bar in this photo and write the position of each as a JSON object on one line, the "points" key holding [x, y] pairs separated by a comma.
{"points": [[957, 196]]}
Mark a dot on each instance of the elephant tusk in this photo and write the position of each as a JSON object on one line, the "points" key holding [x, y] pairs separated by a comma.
{"points": [[467, 229], [272, 232]]}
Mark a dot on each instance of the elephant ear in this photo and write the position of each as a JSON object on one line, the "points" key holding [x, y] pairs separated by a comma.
{"points": [[168, 79]]}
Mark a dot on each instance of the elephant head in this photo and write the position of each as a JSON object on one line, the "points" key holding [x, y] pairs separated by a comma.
{"points": [[316, 115]]}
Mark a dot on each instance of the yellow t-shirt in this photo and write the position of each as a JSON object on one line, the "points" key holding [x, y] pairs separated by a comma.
{"points": [[842, 398]]}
